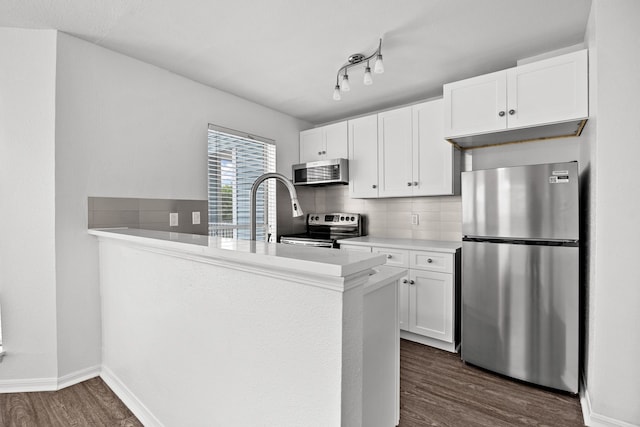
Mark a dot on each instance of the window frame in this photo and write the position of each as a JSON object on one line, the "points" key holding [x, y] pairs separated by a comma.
{"points": [[238, 228]]}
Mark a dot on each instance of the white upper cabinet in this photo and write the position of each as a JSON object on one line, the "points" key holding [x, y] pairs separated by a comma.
{"points": [[325, 142], [395, 145], [311, 145], [396, 153], [542, 99], [414, 159], [553, 90], [363, 157], [474, 105], [436, 162]]}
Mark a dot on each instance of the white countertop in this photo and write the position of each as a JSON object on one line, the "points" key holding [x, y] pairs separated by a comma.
{"points": [[321, 261], [412, 244]]}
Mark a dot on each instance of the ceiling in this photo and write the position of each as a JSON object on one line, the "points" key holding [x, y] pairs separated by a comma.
{"points": [[284, 54]]}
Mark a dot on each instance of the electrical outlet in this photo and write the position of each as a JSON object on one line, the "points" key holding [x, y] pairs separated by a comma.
{"points": [[173, 219], [414, 219], [195, 217]]}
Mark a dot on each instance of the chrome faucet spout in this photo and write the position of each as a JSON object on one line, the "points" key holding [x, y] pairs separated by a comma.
{"points": [[295, 205]]}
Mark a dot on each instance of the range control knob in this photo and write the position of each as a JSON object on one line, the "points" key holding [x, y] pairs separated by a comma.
{"points": [[341, 218]]}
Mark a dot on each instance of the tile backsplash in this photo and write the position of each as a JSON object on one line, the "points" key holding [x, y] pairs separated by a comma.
{"points": [[439, 218], [148, 214]]}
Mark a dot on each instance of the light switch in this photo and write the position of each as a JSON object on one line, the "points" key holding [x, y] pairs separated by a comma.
{"points": [[173, 219], [414, 219], [195, 217]]}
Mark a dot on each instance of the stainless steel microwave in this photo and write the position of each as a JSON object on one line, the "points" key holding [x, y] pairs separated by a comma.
{"points": [[322, 172]]}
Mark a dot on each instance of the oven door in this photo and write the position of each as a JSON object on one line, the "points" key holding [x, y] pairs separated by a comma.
{"points": [[305, 241]]}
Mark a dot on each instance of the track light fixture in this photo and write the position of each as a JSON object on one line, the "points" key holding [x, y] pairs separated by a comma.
{"points": [[342, 85]]}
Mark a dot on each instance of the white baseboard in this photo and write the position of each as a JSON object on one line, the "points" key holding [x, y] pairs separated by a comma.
{"points": [[48, 384], [593, 419], [79, 376], [28, 385], [129, 399]]}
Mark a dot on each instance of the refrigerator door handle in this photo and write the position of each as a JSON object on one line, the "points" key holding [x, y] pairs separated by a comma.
{"points": [[536, 242]]}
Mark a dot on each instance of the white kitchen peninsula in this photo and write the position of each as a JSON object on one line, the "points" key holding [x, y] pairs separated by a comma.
{"points": [[199, 330]]}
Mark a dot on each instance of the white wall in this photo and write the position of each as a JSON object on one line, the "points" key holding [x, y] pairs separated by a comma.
{"points": [[613, 372], [129, 129], [27, 245], [122, 128]]}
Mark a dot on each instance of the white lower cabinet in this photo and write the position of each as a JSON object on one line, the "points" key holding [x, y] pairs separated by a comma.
{"points": [[431, 304], [428, 296]]}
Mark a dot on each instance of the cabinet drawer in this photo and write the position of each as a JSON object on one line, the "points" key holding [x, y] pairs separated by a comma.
{"points": [[395, 257], [432, 261]]}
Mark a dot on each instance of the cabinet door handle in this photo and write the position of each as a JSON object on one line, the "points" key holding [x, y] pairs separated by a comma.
{"points": [[411, 282], [374, 186], [389, 256], [501, 113], [415, 183], [409, 184], [405, 281], [429, 260], [319, 153], [512, 112], [324, 152]]}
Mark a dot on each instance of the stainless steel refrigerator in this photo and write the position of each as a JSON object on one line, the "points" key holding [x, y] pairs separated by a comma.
{"points": [[520, 289]]}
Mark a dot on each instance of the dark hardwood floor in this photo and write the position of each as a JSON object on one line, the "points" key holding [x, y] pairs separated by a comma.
{"points": [[436, 389], [88, 404]]}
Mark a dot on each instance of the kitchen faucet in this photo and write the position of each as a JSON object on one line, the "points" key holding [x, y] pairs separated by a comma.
{"points": [[295, 205]]}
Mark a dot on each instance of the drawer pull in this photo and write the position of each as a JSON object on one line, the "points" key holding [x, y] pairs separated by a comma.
{"points": [[389, 256], [429, 260]]}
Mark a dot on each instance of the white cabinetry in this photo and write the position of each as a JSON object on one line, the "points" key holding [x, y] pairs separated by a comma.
{"points": [[395, 144], [428, 296], [325, 142], [436, 162], [402, 153], [397, 258], [363, 157], [542, 99], [475, 105], [431, 304]]}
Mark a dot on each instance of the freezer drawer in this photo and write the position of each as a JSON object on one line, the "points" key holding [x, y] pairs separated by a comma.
{"points": [[520, 311], [533, 202]]}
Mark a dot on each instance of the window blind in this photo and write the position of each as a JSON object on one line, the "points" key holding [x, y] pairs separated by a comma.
{"points": [[235, 161]]}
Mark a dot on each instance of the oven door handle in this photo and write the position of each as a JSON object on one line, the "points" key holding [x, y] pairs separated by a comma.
{"points": [[307, 243]]}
